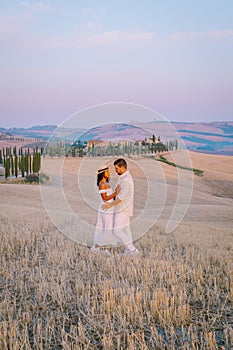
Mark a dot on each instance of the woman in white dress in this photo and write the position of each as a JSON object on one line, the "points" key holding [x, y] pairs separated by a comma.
{"points": [[104, 236]]}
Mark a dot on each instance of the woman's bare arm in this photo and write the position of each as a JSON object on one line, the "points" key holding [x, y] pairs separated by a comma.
{"points": [[104, 196], [107, 206]]}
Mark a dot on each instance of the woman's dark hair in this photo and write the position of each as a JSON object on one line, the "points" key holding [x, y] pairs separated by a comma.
{"points": [[100, 177]]}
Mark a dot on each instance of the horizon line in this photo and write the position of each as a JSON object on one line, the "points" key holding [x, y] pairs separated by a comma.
{"points": [[159, 121]]}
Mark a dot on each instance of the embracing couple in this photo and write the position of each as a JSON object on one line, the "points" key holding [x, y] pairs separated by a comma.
{"points": [[115, 210]]}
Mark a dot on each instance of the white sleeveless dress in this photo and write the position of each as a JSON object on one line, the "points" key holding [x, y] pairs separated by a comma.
{"points": [[104, 226]]}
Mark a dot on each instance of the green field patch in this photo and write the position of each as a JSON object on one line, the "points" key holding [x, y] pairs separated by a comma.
{"points": [[196, 171]]}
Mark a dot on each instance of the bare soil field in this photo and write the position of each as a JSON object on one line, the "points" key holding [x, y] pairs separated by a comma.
{"points": [[19, 142], [176, 294]]}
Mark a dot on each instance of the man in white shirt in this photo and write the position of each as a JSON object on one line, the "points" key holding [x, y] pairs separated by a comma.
{"points": [[123, 207]]}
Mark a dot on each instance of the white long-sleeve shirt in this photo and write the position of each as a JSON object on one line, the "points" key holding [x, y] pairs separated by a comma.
{"points": [[126, 194]]}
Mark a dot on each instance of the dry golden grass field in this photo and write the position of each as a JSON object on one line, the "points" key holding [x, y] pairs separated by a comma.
{"points": [[176, 294]]}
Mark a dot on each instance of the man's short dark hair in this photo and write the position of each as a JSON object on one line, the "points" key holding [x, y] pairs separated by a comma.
{"points": [[121, 163]]}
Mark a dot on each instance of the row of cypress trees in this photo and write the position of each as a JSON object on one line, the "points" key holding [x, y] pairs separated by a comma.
{"points": [[80, 149], [131, 148], [20, 163]]}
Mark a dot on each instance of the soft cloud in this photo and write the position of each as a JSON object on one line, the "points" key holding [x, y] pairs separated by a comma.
{"points": [[214, 34], [19, 29], [19, 22], [107, 38], [36, 6]]}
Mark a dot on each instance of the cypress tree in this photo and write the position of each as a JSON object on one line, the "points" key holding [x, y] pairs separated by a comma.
{"points": [[131, 147], [26, 162], [22, 165], [12, 165], [9, 155], [30, 163], [0, 156], [16, 166], [128, 149], [118, 149], [93, 150], [39, 162], [36, 162], [7, 167], [112, 150]]}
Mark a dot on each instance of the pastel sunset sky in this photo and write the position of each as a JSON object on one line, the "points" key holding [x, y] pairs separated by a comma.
{"points": [[58, 57]]}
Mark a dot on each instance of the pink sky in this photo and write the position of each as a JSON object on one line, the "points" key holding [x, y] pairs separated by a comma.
{"points": [[56, 60]]}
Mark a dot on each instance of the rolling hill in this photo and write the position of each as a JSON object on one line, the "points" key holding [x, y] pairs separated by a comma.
{"points": [[212, 137]]}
